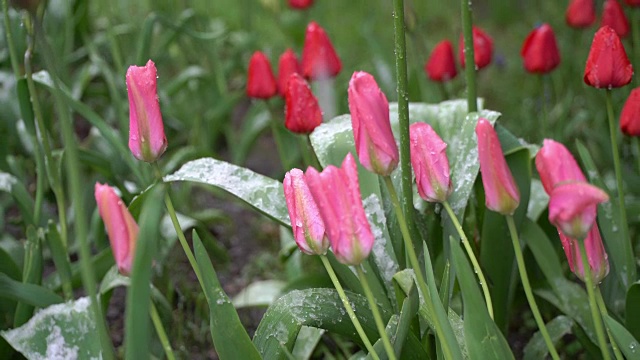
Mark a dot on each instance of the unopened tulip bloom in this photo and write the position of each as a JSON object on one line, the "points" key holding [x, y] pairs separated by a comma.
{"points": [[607, 65], [301, 113], [581, 13], [375, 144], [556, 165], [633, 3], [572, 207], [337, 193], [300, 4], [540, 50], [319, 58], [613, 16], [482, 48], [306, 223], [630, 116], [441, 65], [501, 192], [596, 254], [287, 65], [430, 163], [147, 141], [121, 227], [261, 84]]}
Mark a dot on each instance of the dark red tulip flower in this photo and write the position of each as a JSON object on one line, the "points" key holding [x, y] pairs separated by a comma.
{"points": [[287, 65], [607, 65], [301, 113], [613, 15], [482, 47], [261, 84], [630, 116], [300, 4], [441, 65], [581, 13], [319, 58], [540, 50], [634, 3]]}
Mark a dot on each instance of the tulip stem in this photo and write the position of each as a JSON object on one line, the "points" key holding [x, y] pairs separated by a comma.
{"points": [[277, 138], [472, 256], [347, 306], [162, 334], [603, 312], [314, 157], [527, 288], [613, 132], [376, 313], [441, 323], [543, 104], [636, 144], [595, 314], [469, 57]]}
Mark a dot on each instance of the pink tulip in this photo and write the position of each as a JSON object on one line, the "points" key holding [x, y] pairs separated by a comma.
{"points": [[337, 193], [556, 165], [501, 192], [307, 225], [375, 144], [598, 262], [146, 130], [430, 163], [121, 227], [572, 207]]}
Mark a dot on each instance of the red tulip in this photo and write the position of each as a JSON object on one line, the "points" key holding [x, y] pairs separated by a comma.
{"points": [[581, 13], [596, 255], [374, 139], [147, 140], [319, 58], [630, 116], [607, 65], [287, 65], [501, 192], [300, 4], [482, 47], [337, 193], [306, 223], [633, 2], [441, 65], [540, 50], [613, 15], [556, 165], [301, 113], [430, 163], [572, 207], [261, 84], [121, 227]]}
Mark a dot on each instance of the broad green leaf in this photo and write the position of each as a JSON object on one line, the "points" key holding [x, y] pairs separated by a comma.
{"points": [[259, 293], [538, 200], [536, 348], [632, 314], [261, 192], [62, 331], [307, 340], [31, 294], [626, 342]]}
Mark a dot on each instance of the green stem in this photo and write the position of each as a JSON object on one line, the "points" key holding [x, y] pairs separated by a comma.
{"points": [[347, 306], [162, 334], [13, 55], [277, 138], [376, 314], [469, 58], [442, 326], [472, 256], [527, 288], [443, 91], [595, 314], [543, 99], [613, 132], [636, 144], [603, 312]]}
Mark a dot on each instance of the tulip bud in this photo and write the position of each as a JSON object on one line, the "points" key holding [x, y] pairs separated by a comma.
{"points": [[633, 3], [307, 225], [540, 50], [287, 65], [630, 116], [300, 4], [501, 192], [261, 84], [121, 228], [581, 13], [556, 165], [614, 16], [430, 163], [596, 255], [441, 65], [572, 207], [337, 193], [319, 58], [301, 113], [482, 49], [375, 144], [146, 130], [607, 65]]}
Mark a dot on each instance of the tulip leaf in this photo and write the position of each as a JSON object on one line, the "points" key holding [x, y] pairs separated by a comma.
{"points": [[26, 293], [538, 200], [306, 342], [626, 342], [61, 331], [261, 192], [11, 185], [632, 313], [557, 328], [259, 293]]}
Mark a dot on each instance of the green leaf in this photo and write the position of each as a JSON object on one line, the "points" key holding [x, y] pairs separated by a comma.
{"points": [[259, 293], [538, 200], [10, 184], [632, 314], [626, 342], [261, 192], [62, 331], [229, 336], [31, 272], [31, 294], [307, 340], [536, 348]]}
